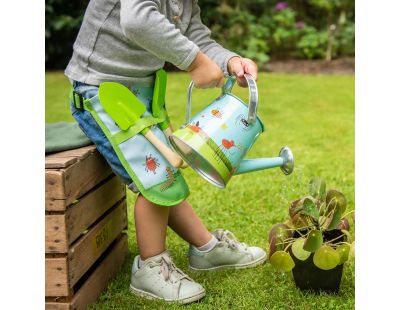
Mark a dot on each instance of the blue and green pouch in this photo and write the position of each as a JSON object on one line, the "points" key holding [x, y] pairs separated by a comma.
{"points": [[156, 179]]}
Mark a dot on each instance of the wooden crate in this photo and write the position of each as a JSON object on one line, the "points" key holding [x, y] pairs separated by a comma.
{"points": [[85, 219], [96, 281]]}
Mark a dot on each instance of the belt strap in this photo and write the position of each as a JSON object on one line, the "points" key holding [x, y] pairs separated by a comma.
{"points": [[133, 130], [85, 104], [77, 99]]}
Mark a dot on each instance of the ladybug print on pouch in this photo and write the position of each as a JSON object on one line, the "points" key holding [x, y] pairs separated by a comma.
{"points": [[151, 164]]}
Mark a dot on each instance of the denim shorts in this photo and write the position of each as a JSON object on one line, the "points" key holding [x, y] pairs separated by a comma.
{"points": [[95, 133]]}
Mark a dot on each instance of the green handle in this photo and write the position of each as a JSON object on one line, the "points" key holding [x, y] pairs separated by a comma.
{"points": [[158, 105]]}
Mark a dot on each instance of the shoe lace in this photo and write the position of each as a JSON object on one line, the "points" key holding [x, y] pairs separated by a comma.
{"points": [[229, 238], [169, 271]]}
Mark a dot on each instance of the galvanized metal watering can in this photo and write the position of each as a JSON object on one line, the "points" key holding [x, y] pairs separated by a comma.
{"points": [[215, 141]]}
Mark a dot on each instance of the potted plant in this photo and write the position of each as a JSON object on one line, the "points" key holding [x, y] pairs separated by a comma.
{"points": [[315, 242]]}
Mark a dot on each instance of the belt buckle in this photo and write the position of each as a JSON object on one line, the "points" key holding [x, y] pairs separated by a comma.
{"points": [[80, 106]]}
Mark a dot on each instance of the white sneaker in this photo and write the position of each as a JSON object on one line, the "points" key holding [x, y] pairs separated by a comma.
{"points": [[159, 278], [228, 253]]}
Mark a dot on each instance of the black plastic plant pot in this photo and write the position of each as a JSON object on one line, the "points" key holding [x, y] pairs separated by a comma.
{"points": [[309, 277]]}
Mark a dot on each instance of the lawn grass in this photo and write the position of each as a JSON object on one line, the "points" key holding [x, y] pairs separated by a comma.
{"points": [[314, 115]]}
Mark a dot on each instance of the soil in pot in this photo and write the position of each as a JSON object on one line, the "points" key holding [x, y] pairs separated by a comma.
{"points": [[307, 276]]}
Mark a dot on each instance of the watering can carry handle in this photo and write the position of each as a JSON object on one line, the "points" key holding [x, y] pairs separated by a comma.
{"points": [[227, 88]]}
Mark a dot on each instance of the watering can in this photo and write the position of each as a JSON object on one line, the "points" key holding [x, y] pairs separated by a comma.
{"points": [[215, 141]]}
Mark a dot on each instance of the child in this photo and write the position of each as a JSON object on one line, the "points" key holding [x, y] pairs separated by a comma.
{"points": [[127, 42]]}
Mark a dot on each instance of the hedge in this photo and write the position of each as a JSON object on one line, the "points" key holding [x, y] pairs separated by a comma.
{"points": [[258, 29]]}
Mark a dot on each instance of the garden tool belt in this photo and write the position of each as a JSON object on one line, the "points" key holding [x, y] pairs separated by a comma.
{"points": [[156, 179]]}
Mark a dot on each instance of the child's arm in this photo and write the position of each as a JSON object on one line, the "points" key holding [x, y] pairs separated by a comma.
{"points": [[228, 61], [143, 24]]}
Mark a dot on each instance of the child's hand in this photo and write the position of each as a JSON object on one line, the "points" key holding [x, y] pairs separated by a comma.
{"points": [[205, 73], [239, 66]]}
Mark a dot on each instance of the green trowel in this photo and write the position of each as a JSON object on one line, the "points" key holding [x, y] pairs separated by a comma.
{"points": [[121, 104], [126, 109]]}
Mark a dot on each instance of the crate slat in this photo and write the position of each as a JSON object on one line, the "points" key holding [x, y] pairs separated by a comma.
{"points": [[55, 204], [56, 234], [56, 271], [62, 230], [57, 306], [66, 158], [108, 194], [88, 248], [98, 280], [60, 162], [71, 183], [84, 252]]}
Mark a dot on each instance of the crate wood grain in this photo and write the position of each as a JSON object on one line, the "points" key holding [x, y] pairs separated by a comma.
{"points": [[64, 271], [97, 282], [71, 174], [66, 158], [63, 229]]}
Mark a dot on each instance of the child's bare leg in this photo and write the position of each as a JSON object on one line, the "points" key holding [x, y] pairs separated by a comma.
{"points": [[151, 223], [185, 222]]}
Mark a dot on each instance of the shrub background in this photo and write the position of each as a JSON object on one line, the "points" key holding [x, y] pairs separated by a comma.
{"points": [[258, 29]]}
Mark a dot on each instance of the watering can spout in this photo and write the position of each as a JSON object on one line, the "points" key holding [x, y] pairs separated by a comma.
{"points": [[285, 161]]}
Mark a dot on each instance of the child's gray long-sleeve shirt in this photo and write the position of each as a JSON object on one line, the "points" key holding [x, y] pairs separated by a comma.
{"points": [[126, 41]]}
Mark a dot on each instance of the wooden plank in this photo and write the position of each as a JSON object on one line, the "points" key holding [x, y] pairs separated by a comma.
{"points": [[81, 152], [89, 247], [62, 230], [55, 204], [60, 162], [98, 280], [62, 157], [88, 209], [56, 273], [54, 185], [84, 175], [63, 272], [57, 306], [56, 234], [71, 183]]}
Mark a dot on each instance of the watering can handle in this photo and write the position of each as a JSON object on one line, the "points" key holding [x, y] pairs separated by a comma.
{"points": [[226, 89]]}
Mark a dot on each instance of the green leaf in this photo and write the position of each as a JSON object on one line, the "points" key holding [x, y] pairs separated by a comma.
{"points": [[280, 231], [317, 187], [324, 222], [300, 221], [275, 245], [336, 216], [335, 199], [282, 261], [295, 207], [310, 208], [321, 206], [326, 258], [352, 252], [343, 251], [343, 224], [297, 249], [313, 241]]}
